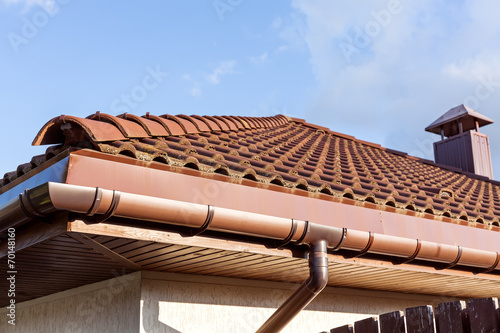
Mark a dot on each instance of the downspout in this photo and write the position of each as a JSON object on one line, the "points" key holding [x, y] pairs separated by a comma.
{"points": [[318, 270]]}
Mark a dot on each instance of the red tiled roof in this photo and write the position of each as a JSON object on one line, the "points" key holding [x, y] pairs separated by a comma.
{"points": [[284, 151]]}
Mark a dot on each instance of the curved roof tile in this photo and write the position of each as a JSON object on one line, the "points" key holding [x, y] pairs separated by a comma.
{"points": [[199, 123], [57, 129], [128, 128], [233, 125], [221, 122], [173, 124], [153, 128]]}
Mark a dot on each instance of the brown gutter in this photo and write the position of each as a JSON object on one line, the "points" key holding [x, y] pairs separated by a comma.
{"points": [[98, 205]]}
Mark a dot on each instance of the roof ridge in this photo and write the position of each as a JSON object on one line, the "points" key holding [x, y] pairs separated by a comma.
{"points": [[101, 127]]}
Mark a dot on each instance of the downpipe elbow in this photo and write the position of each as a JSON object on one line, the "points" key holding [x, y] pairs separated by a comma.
{"points": [[318, 280], [318, 267]]}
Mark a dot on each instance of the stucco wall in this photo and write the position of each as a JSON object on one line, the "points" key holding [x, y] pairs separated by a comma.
{"points": [[151, 302], [176, 303], [108, 306]]}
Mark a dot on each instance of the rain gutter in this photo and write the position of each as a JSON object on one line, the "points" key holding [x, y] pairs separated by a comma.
{"points": [[98, 205]]}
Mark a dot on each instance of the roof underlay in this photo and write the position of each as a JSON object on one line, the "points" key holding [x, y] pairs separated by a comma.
{"points": [[277, 166]]}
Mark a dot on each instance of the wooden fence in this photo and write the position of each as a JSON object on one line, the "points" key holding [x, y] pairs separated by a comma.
{"points": [[474, 316]]}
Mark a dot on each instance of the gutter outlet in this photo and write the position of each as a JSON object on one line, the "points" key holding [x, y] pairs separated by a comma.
{"points": [[318, 269]]}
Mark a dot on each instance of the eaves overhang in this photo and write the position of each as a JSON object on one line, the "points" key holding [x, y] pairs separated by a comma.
{"points": [[146, 189]]}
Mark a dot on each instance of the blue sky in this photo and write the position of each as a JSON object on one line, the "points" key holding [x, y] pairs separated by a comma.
{"points": [[380, 70]]}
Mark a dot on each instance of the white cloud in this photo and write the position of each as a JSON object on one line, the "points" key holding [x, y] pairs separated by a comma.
{"points": [[49, 5], [406, 68], [277, 23], [481, 65], [195, 91], [224, 68], [291, 31], [250, 34], [282, 48], [259, 59]]}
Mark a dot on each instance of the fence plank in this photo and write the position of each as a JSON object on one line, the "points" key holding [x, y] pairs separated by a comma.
{"points": [[483, 315], [420, 319], [342, 329], [450, 317], [368, 325], [392, 322]]}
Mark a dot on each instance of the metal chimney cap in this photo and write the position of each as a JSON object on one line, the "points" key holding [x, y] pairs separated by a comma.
{"points": [[467, 115]]}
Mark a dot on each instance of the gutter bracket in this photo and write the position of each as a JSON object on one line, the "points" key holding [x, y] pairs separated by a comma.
{"points": [[288, 239], [29, 209], [111, 210], [487, 270], [206, 224], [344, 237], [307, 228], [414, 255], [97, 202], [371, 237], [454, 262]]}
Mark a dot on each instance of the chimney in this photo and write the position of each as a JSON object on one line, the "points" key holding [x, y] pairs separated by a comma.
{"points": [[461, 145]]}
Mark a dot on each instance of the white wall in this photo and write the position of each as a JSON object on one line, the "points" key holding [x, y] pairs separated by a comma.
{"points": [[150, 302], [108, 306], [181, 303]]}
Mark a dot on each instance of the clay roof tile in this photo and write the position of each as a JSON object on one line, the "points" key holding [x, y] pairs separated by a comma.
{"points": [[129, 129], [56, 130], [152, 127]]}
